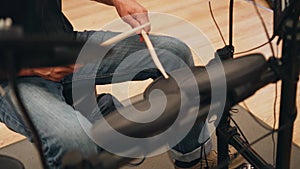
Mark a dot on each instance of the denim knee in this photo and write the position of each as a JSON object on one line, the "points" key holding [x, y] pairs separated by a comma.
{"points": [[59, 142], [176, 46]]}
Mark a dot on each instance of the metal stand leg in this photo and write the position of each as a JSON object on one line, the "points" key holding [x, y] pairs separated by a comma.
{"points": [[222, 141], [288, 111]]}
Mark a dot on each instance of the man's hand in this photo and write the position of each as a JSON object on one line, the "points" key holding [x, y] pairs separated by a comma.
{"points": [[130, 11]]}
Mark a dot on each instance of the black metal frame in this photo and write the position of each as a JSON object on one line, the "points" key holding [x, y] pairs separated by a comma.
{"points": [[288, 29], [290, 62]]}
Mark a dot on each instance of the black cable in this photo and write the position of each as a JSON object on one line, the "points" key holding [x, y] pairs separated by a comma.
{"points": [[235, 155], [257, 47], [272, 131], [201, 155], [234, 110], [223, 39], [274, 123], [291, 122], [205, 157], [231, 22], [270, 39], [277, 48], [263, 125], [264, 26], [216, 24], [239, 129], [256, 119], [18, 101], [273, 136], [138, 163], [202, 151]]}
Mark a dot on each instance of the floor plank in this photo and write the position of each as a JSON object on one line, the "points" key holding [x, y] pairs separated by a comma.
{"points": [[8, 137]]}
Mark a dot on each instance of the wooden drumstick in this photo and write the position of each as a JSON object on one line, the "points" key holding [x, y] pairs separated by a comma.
{"points": [[154, 55], [123, 35]]}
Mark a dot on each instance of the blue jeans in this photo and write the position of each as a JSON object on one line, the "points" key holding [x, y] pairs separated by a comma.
{"points": [[57, 121]]}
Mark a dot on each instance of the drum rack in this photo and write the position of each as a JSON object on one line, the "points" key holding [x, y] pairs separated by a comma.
{"points": [[286, 69]]}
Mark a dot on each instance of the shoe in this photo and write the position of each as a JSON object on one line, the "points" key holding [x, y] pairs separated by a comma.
{"points": [[211, 160]]}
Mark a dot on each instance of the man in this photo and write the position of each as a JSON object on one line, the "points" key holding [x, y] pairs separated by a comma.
{"points": [[42, 88]]}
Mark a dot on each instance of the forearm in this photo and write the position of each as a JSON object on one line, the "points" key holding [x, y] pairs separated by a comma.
{"points": [[130, 11], [50, 73]]}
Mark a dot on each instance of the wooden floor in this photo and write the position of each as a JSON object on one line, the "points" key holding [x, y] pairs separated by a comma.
{"points": [[248, 33]]}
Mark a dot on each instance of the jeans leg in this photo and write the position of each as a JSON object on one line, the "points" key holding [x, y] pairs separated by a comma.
{"points": [[130, 60], [106, 104], [57, 122]]}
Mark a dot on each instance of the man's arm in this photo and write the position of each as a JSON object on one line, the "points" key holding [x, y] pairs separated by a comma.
{"points": [[130, 11], [50, 73]]}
